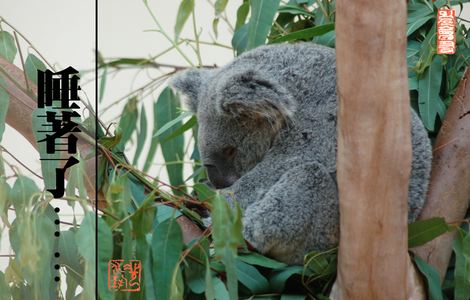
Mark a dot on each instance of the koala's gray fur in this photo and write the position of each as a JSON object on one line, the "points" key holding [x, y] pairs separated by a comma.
{"points": [[267, 132]]}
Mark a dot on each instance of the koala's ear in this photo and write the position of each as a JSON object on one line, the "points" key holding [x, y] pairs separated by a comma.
{"points": [[251, 94], [189, 83]]}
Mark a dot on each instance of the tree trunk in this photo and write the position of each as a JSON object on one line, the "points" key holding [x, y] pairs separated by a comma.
{"points": [[374, 151], [449, 189]]}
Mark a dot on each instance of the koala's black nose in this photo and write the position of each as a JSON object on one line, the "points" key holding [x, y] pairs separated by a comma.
{"points": [[217, 178]]}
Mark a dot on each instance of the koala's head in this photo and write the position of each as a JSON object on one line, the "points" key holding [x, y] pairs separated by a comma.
{"points": [[240, 111]]}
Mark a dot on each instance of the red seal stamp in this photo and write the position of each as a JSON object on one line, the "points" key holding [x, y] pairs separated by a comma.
{"points": [[124, 276]]}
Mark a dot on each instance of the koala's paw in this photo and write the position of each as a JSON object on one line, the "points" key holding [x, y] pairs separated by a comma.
{"points": [[268, 239]]}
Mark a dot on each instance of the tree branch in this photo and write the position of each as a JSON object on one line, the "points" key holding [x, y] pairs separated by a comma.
{"points": [[449, 189], [19, 116]]}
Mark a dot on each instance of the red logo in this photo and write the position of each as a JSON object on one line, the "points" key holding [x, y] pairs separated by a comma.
{"points": [[445, 31], [124, 277]]}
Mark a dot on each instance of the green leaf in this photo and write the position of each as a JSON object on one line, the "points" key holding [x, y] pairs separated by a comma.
{"points": [[5, 293], [427, 51], [254, 258], [128, 121], [34, 227], [292, 297], [227, 236], [70, 259], [204, 192], [7, 46], [104, 76], [278, 279], [429, 86], [305, 34], [167, 107], [4, 199], [261, 20], [21, 193], [295, 10], [461, 248], [220, 6], [105, 253], [141, 136], [184, 11], [172, 123], [220, 291], [196, 270], [423, 231], [182, 129], [142, 219], [76, 180], [4, 102], [242, 13], [240, 39], [167, 244], [432, 278], [250, 277], [412, 27], [85, 239], [32, 65]]}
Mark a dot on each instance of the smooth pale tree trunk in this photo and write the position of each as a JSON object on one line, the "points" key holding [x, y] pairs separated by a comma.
{"points": [[19, 116], [374, 151], [449, 189]]}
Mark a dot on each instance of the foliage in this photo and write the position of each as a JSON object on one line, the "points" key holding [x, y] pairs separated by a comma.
{"points": [[139, 221]]}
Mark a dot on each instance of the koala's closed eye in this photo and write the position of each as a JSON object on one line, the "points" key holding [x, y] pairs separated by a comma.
{"points": [[229, 152]]}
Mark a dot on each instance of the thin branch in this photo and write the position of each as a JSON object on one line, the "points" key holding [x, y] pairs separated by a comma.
{"points": [[196, 36], [27, 41], [172, 41], [22, 164]]}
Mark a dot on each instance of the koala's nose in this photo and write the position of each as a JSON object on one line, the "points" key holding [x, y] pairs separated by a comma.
{"points": [[216, 178]]}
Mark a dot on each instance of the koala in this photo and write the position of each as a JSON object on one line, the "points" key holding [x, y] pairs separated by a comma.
{"points": [[267, 136]]}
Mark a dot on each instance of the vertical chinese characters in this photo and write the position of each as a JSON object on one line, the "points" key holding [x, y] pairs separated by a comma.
{"points": [[446, 31], [57, 94]]}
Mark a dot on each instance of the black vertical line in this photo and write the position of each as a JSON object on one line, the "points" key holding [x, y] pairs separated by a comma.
{"points": [[96, 148]]}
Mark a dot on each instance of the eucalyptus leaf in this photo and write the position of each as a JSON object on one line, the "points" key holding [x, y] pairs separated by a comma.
{"points": [[261, 20], [242, 14], [128, 121], [254, 258], [105, 254], [104, 76], [7, 46], [32, 65], [429, 86], [167, 107], [278, 278], [250, 277], [141, 136], [432, 278], [423, 231], [305, 34], [167, 244], [184, 11], [240, 39], [85, 239], [461, 247], [22, 192], [220, 6], [4, 102], [412, 27]]}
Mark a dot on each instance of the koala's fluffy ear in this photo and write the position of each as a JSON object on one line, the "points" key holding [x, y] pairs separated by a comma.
{"points": [[248, 93], [189, 83]]}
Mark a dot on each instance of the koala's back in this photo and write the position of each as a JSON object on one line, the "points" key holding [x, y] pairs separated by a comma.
{"points": [[308, 72]]}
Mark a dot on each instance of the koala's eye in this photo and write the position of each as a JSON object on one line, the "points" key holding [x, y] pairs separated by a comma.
{"points": [[229, 152]]}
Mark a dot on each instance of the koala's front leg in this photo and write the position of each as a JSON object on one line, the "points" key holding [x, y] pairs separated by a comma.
{"points": [[297, 215]]}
